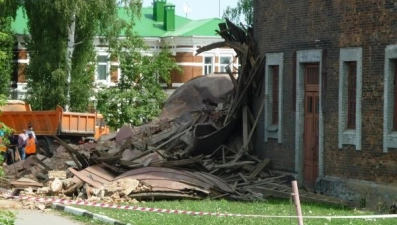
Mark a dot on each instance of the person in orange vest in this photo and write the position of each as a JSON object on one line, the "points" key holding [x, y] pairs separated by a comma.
{"points": [[30, 146]]}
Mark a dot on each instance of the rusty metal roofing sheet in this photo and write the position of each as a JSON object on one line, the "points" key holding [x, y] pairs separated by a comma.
{"points": [[94, 176], [172, 179]]}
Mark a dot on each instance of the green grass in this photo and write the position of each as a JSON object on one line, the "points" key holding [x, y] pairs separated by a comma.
{"points": [[6, 217], [270, 207]]}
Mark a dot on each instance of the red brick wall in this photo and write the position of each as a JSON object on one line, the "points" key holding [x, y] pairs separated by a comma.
{"points": [[21, 72], [287, 26], [188, 71]]}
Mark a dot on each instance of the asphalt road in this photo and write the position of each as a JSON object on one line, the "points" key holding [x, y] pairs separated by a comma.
{"points": [[29, 217]]}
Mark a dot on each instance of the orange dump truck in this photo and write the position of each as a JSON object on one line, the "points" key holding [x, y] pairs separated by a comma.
{"points": [[70, 126]]}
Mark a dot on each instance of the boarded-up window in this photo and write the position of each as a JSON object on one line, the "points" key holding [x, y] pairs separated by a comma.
{"points": [[275, 90], [351, 90]]}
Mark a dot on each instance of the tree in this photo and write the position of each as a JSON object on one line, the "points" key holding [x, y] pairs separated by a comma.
{"points": [[61, 48], [6, 43], [245, 9], [138, 96]]}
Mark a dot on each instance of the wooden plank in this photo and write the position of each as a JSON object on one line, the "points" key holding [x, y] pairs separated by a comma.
{"points": [[246, 87], [234, 164], [245, 125], [100, 172], [234, 81], [165, 134], [41, 163], [259, 168], [303, 197], [160, 146], [89, 178], [243, 177], [244, 148], [147, 162], [263, 181], [211, 46], [72, 152]]}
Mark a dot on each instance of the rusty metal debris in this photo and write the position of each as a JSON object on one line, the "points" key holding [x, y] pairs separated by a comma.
{"points": [[199, 147]]}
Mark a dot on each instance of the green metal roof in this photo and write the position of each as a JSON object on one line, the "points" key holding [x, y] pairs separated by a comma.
{"points": [[146, 26], [20, 24]]}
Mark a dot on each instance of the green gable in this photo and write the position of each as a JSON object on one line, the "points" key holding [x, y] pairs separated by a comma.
{"points": [[146, 26]]}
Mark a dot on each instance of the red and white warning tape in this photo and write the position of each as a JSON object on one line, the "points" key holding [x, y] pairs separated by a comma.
{"points": [[185, 212]]}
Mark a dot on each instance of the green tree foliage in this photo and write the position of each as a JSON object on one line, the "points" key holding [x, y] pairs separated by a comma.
{"points": [[6, 43], [138, 96], [61, 44], [7, 217], [244, 9], [3, 127]]}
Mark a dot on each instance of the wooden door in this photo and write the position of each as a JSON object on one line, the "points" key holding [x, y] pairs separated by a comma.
{"points": [[311, 132]]}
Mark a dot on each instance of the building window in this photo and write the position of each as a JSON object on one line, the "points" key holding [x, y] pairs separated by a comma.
{"points": [[224, 61], [102, 67], [390, 99], [351, 98], [350, 92], [274, 95], [208, 65]]}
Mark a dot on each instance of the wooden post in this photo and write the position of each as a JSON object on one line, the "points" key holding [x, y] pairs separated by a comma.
{"points": [[295, 194]]}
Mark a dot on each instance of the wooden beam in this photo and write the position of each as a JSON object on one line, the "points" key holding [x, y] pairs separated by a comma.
{"points": [[245, 125], [259, 168], [72, 152]]}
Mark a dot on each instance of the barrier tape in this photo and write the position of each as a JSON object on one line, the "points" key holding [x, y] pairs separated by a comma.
{"points": [[186, 212]]}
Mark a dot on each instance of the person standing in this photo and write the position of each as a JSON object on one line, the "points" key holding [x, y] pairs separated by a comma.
{"points": [[21, 145], [30, 128], [30, 147]]}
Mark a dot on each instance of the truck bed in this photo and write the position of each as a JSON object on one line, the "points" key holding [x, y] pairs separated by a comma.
{"points": [[52, 122]]}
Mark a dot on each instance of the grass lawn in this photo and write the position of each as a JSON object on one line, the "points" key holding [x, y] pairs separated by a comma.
{"points": [[274, 207]]}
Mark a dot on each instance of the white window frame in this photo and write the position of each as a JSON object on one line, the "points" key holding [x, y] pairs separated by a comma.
{"points": [[107, 64], [349, 136], [220, 65], [389, 136], [206, 65], [273, 130]]}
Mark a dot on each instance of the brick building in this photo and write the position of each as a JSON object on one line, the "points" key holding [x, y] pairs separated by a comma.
{"points": [[158, 25], [331, 112]]}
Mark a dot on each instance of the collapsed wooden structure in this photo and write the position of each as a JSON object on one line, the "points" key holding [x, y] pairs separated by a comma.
{"points": [[200, 145]]}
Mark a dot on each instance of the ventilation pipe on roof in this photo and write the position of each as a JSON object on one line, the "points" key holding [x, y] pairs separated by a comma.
{"points": [[169, 17], [158, 10]]}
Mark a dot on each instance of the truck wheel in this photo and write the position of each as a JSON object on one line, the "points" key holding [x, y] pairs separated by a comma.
{"points": [[43, 148]]}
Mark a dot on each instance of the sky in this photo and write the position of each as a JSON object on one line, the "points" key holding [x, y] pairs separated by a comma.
{"points": [[199, 9]]}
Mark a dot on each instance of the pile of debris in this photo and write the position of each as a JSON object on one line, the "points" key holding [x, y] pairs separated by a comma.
{"points": [[199, 147]]}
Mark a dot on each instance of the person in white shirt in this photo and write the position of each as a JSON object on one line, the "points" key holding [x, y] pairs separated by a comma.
{"points": [[21, 144], [30, 129]]}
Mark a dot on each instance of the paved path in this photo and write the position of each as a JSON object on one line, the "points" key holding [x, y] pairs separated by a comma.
{"points": [[29, 217]]}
